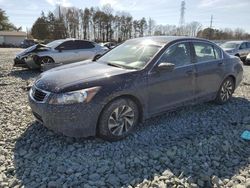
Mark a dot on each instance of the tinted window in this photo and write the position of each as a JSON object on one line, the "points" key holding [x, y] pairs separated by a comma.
{"points": [[68, 45], [84, 44], [248, 45], [178, 54], [205, 52], [217, 52], [243, 45]]}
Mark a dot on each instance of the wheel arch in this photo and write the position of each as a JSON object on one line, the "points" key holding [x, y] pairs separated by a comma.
{"points": [[230, 76], [43, 56]]}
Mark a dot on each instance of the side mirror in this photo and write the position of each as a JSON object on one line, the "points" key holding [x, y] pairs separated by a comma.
{"points": [[165, 66]]}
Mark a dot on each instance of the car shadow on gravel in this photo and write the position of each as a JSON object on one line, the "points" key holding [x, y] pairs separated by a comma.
{"points": [[191, 144], [24, 74]]}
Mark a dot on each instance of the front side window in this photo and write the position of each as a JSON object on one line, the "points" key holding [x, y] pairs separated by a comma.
{"points": [[178, 54], [205, 52], [243, 46], [248, 45]]}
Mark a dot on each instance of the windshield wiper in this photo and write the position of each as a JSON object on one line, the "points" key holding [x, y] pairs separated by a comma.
{"points": [[121, 66]]}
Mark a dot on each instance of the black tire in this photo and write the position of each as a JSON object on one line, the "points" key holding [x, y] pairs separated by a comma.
{"points": [[46, 59], [108, 127], [226, 91]]}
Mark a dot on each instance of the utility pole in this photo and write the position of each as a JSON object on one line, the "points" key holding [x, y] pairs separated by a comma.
{"points": [[211, 27], [211, 22], [59, 9], [182, 15]]}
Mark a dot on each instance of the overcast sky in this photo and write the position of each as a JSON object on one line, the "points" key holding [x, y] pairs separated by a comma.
{"points": [[227, 13]]}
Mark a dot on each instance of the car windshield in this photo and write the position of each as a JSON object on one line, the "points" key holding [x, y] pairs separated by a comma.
{"points": [[131, 54], [54, 43], [230, 45]]}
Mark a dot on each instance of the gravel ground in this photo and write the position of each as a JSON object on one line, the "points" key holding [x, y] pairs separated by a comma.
{"points": [[196, 146]]}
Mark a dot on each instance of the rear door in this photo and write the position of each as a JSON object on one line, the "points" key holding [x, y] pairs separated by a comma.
{"points": [[210, 69], [86, 50], [67, 52]]}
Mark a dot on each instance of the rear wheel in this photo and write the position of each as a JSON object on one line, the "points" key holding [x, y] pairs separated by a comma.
{"points": [[226, 91], [118, 119]]}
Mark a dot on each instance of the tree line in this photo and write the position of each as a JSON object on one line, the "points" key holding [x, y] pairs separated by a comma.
{"points": [[105, 24], [5, 25], [102, 24]]}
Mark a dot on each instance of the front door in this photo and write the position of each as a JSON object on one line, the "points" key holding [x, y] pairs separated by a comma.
{"points": [[169, 89]]}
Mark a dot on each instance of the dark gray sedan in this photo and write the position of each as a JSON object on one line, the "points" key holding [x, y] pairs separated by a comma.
{"points": [[139, 79]]}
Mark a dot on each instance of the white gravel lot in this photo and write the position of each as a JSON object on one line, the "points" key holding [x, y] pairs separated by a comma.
{"points": [[195, 146]]}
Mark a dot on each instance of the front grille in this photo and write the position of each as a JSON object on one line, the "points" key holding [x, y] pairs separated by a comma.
{"points": [[38, 94]]}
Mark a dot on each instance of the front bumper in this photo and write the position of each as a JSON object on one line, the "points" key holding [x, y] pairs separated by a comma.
{"points": [[74, 120], [20, 63]]}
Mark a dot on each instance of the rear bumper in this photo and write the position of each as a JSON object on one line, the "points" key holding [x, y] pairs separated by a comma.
{"points": [[75, 120]]}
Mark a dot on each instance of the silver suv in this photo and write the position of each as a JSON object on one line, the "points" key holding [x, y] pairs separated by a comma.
{"points": [[237, 48]]}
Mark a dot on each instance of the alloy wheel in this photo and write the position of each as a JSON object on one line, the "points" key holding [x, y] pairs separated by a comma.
{"points": [[46, 60], [226, 90], [121, 120]]}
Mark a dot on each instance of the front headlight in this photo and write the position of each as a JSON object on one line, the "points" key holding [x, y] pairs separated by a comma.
{"points": [[80, 96]]}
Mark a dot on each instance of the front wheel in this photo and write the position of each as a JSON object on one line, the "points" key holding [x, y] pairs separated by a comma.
{"points": [[226, 91], [118, 119], [46, 60]]}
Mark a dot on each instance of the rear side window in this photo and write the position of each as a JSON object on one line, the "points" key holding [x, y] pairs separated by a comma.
{"points": [[68, 45], [206, 52], [84, 45], [217, 52]]}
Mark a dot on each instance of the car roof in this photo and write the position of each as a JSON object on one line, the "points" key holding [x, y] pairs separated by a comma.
{"points": [[167, 39], [237, 41]]}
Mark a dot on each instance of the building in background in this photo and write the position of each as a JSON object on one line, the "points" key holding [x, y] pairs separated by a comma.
{"points": [[12, 37]]}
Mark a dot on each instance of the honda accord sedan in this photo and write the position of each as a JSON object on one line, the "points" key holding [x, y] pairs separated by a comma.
{"points": [[139, 79]]}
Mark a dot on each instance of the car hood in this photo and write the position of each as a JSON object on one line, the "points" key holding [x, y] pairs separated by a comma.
{"points": [[228, 49], [77, 76], [34, 48]]}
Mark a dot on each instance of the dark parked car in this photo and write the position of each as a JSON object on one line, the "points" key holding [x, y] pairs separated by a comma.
{"points": [[28, 42], [139, 79]]}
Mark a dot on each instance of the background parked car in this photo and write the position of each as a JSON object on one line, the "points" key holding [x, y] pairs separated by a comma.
{"points": [[57, 53], [139, 79], [248, 59], [237, 48], [109, 45], [28, 42]]}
